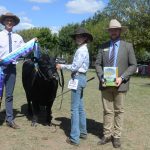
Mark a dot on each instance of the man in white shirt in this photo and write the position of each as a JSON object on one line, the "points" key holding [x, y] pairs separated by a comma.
{"points": [[9, 41]]}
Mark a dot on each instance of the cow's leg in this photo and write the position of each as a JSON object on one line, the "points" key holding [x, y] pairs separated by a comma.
{"points": [[49, 112], [30, 113], [35, 110], [29, 109]]}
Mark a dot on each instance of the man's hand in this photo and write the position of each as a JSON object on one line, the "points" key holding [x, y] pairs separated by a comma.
{"points": [[118, 81], [36, 39], [58, 66]]}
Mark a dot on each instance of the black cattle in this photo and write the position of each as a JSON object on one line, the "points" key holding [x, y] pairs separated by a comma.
{"points": [[40, 85]]}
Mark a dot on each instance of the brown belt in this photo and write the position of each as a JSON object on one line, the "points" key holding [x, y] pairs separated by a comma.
{"points": [[84, 73]]}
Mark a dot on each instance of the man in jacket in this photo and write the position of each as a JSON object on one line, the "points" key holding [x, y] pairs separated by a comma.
{"points": [[120, 54]]}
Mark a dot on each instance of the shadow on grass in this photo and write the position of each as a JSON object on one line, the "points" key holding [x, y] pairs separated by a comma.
{"points": [[41, 116], [93, 127], [141, 84], [24, 110], [3, 114], [147, 84]]}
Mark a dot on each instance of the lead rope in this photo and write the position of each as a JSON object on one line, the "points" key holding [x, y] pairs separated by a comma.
{"points": [[62, 96]]}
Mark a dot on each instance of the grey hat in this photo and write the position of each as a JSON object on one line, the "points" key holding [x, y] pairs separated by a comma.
{"points": [[10, 15], [115, 24], [82, 31]]}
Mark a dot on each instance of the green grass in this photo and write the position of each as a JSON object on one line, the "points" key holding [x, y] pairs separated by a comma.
{"points": [[136, 131]]}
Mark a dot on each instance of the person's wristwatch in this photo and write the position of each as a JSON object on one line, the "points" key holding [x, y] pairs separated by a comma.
{"points": [[123, 79]]}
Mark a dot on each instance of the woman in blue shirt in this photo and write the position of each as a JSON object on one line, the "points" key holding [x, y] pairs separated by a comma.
{"points": [[78, 70]]}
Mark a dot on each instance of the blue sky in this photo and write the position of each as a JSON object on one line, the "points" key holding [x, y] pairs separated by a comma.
{"points": [[51, 13]]}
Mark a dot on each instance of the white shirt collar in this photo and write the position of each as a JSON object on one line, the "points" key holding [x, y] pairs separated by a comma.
{"points": [[5, 31]]}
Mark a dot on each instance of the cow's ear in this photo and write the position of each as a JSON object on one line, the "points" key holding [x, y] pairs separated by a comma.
{"points": [[55, 56], [48, 56]]}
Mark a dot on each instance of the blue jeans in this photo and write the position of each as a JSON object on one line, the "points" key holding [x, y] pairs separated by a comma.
{"points": [[9, 81], [78, 116]]}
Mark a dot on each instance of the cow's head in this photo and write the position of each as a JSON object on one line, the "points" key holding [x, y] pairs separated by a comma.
{"points": [[47, 67]]}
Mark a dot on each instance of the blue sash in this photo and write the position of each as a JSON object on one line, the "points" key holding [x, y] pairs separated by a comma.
{"points": [[1, 82], [21, 51]]}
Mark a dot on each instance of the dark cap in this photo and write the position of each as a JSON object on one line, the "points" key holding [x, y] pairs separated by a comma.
{"points": [[84, 32]]}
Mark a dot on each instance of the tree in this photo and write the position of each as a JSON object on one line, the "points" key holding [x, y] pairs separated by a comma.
{"points": [[48, 41], [100, 35], [66, 44], [28, 34], [134, 14]]}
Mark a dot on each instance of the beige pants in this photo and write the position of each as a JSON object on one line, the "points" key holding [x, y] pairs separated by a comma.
{"points": [[113, 104]]}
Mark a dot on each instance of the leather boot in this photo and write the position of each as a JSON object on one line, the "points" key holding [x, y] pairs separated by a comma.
{"points": [[12, 124], [116, 142], [104, 140]]}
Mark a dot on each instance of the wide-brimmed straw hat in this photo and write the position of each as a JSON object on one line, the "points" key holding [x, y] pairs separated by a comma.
{"points": [[115, 24], [10, 15], [84, 32]]}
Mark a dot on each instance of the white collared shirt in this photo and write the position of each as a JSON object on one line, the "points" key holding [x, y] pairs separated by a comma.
{"points": [[80, 61], [17, 41]]}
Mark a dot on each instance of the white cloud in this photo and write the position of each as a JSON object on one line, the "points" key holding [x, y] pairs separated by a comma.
{"points": [[3, 10], [42, 1], [55, 29], [35, 8], [24, 25], [84, 6], [25, 19]]}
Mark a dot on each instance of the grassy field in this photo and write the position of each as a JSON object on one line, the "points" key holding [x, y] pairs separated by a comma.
{"points": [[136, 131]]}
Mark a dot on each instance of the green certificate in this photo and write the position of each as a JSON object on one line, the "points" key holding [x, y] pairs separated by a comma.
{"points": [[110, 75]]}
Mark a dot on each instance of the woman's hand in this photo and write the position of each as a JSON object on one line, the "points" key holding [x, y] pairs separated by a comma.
{"points": [[58, 66]]}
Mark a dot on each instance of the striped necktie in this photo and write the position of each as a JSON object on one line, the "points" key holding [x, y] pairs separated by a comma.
{"points": [[10, 42], [112, 56]]}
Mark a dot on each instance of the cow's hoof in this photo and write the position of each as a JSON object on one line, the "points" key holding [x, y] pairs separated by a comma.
{"points": [[49, 123], [34, 124], [30, 113], [53, 128]]}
